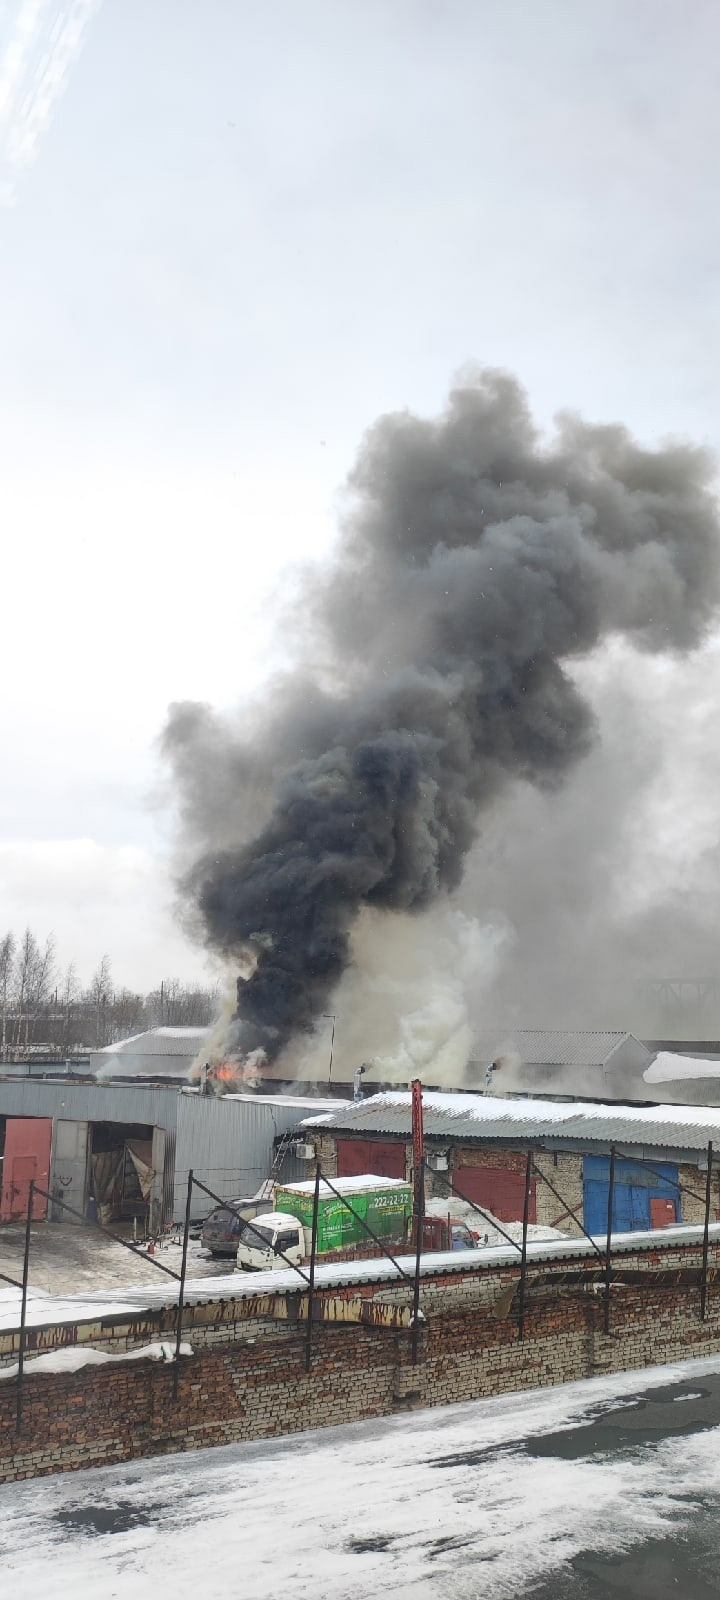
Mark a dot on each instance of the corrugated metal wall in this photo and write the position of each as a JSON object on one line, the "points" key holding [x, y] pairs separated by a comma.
{"points": [[229, 1145], [98, 1102], [89, 1102], [228, 1142]]}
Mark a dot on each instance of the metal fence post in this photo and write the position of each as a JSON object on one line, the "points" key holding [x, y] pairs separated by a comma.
{"points": [[23, 1309], [523, 1259], [608, 1246], [706, 1234], [313, 1252], [419, 1218], [181, 1290]]}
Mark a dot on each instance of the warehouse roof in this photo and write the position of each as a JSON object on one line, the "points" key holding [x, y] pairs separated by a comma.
{"points": [[471, 1117], [158, 1042], [559, 1047]]}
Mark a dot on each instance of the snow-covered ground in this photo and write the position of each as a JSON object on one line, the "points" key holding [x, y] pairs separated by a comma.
{"points": [[69, 1260], [604, 1488]]}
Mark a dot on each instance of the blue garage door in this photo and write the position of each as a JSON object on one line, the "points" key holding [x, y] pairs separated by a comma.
{"points": [[635, 1187]]}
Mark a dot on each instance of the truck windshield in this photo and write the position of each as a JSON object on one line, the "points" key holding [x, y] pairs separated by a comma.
{"points": [[256, 1237]]}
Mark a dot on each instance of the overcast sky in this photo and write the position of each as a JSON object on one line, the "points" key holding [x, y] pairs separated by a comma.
{"points": [[232, 235]]}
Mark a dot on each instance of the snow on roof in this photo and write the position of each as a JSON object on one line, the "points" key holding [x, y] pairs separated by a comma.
{"points": [[47, 1311], [476, 1116], [158, 1042], [670, 1068], [302, 1101], [558, 1047], [366, 1183]]}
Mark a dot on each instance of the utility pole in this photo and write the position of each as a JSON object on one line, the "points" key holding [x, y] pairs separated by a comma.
{"points": [[328, 1016]]}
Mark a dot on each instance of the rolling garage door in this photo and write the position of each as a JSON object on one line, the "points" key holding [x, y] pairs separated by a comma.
{"points": [[383, 1157], [635, 1190], [502, 1193]]}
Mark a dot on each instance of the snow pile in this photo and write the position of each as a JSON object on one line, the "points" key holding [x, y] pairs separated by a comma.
{"points": [[73, 1357], [670, 1068], [489, 1231]]}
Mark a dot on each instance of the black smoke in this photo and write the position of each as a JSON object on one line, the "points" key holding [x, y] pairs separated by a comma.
{"points": [[477, 564]]}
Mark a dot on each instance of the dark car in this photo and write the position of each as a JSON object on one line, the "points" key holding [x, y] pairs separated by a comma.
{"points": [[221, 1230]]}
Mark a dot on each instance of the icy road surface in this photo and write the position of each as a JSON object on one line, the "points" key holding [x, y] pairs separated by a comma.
{"points": [[593, 1491]]}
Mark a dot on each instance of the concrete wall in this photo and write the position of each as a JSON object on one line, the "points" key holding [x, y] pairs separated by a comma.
{"points": [[246, 1378]]}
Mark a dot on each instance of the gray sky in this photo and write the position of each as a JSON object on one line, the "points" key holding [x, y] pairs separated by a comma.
{"points": [[231, 236]]}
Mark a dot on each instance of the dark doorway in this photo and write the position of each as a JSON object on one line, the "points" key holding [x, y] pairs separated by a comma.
{"points": [[121, 1171]]}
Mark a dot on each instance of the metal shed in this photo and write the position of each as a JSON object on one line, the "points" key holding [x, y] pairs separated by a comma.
{"points": [[56, 1131]]}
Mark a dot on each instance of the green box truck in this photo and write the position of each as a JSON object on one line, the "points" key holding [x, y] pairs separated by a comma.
{"points": [[283, 1237], [384, 1203]]}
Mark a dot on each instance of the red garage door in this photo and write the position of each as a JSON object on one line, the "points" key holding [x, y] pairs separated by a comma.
{"points": [[503, 1193], [383, 1157], [27, 1155]]}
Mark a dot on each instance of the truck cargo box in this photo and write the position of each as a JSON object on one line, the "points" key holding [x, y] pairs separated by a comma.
{"points": [[384, 1203]]}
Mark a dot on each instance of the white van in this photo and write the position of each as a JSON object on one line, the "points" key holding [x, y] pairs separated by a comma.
{"points": [[273, 1241]]}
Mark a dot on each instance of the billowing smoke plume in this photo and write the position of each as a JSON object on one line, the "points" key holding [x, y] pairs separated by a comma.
{"points": [[477, 567]]}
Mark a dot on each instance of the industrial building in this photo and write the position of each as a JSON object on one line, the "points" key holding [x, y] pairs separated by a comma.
{"points": [[476, 1147], [585, 1063], [165, 1054], [125, 1150], [563, 1063]]}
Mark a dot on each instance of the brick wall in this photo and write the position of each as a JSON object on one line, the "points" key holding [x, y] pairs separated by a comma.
{"points": [[693, 1205], [564, 1170], [566, 1175], [326, 1153], [246, 1378]]}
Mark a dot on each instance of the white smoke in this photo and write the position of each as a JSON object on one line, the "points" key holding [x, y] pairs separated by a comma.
{"points": [[403, 1005]]}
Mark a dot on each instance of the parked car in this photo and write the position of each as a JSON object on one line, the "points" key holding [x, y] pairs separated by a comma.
{"points": [[221, 1230]]}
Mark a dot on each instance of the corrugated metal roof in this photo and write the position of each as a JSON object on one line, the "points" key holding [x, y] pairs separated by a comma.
{"points": [[469, 1117], [545, 1047]]}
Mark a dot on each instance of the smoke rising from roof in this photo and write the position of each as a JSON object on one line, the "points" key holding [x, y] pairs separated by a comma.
{"points": [[478, 569]]}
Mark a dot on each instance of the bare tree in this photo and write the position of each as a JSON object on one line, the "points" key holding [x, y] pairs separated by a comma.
{"points": [[181, 1005], [128, 1014], [69, 996], [35, 977], [7, 962], [27, 959], [60, 1016], [101, 998]]}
